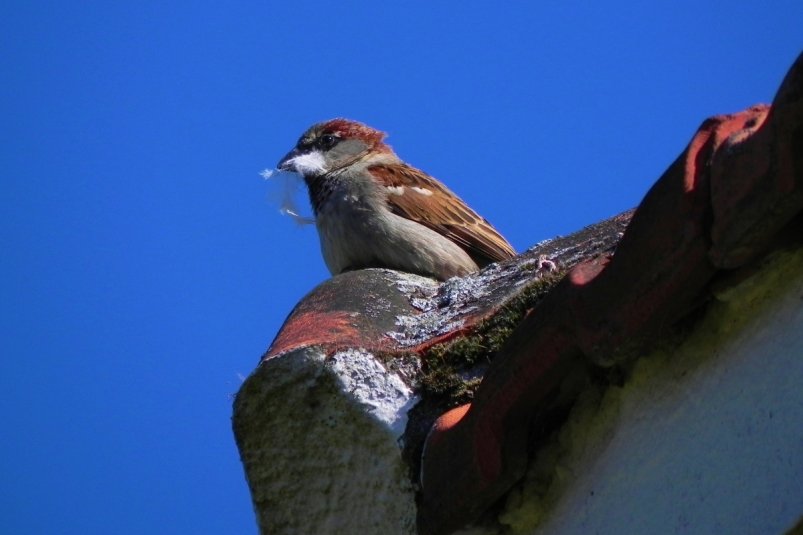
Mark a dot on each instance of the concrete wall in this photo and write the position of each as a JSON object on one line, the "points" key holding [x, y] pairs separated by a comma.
{"points": [[706, 436]]}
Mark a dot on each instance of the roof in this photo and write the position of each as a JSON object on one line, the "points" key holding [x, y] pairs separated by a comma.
{"points": [[596, 298]]}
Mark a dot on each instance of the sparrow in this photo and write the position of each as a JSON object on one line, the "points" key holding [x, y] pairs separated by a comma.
{"points": [[374, 210]]}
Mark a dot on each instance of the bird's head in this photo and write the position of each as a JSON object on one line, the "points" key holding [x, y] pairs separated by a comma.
{"points": [[332, 145]]}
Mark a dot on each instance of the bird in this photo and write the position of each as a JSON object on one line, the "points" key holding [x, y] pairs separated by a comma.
{"points": [[373, 210]]}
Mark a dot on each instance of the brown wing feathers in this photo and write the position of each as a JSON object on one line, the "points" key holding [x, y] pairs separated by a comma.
{"points": [[417, 196]]}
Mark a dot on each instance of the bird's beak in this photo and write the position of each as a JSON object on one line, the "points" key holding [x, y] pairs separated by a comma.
{"points": [[286, 163]]}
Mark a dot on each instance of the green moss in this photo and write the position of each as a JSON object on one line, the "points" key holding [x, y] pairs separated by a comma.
{"points": [[453, 369]]}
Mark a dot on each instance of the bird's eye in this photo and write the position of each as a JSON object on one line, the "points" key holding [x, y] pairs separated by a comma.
{"points": [[328, 141]]}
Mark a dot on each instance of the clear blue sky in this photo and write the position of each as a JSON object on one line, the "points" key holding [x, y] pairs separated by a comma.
{"points": [[144, 270]]}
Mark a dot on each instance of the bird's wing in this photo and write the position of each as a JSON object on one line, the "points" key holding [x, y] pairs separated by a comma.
{"points": [[417, 196]]}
